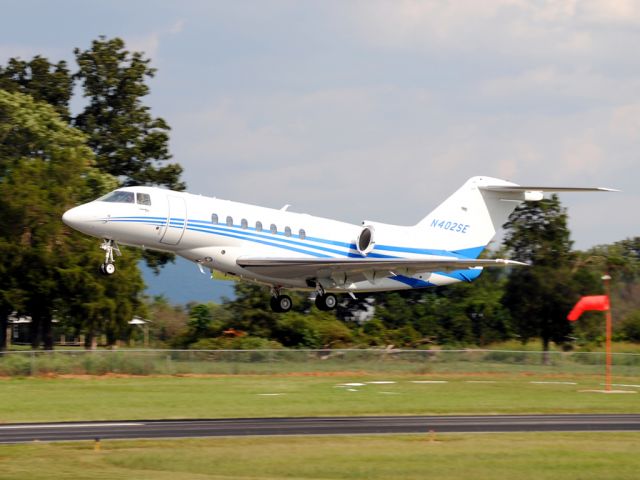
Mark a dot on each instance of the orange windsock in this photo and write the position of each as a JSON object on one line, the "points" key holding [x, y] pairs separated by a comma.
{"points": [[593, 302]]}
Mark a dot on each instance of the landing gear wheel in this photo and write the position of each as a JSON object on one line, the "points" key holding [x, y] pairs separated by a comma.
{"points": [[326, 302], [281, 303], [107, 268]]}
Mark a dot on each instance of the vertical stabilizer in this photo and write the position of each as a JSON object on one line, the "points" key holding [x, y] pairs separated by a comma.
{"points": [[468, 220]]}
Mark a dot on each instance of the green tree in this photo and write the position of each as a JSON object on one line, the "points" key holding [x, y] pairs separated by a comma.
{"points": [[45, 168], [621, 260], [128, 142], [631, 327], [95, 304], [460, 314], [168, 322], [42, 163], [200, 319], [539, 297], [42, 80]]}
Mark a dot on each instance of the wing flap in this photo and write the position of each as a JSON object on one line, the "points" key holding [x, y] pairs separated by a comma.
{"points": [[328, 267]]}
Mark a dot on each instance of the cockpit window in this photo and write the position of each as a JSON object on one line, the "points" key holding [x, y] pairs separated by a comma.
{"points": [[143, 198], [119, 196]]}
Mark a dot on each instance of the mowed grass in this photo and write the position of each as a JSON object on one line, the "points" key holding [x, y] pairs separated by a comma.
{"points": [[538, 456], [36, 399]]}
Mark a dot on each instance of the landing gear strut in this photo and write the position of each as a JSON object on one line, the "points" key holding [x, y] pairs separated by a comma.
{"points": [[280, 303], [109, 267]]}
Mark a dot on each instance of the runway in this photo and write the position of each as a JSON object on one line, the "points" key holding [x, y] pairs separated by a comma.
{"points": [[139, 429]]}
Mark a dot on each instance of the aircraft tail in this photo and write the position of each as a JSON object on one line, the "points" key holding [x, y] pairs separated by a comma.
{"points": [[468, 220]]}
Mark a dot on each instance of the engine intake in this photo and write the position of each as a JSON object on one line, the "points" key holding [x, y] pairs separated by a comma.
{"points": [[366, 240]]}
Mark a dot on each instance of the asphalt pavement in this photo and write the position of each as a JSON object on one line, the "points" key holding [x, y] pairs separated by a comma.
{"points": [[139, 429]]}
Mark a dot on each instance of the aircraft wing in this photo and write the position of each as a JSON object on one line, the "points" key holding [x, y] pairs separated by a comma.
{"points": [[361, 268]]}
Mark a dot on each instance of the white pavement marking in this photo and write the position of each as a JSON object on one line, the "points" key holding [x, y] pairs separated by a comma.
{"points": [[555, 383], [480, 381], [351, 385], [607, 391], [429, 381], [269, 394], [381, 382]]}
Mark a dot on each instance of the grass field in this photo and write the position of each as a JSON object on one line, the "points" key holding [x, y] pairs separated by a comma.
{"points": [[35, 399], [538, 456]]}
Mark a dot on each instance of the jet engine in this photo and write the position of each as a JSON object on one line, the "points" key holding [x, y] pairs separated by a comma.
{"points": [[366, 240]]}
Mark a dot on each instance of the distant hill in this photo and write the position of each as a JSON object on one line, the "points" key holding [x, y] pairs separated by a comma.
{"points": [[182, 282]]}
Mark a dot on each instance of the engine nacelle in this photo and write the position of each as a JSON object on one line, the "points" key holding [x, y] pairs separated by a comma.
{"points": [[366, 240]]}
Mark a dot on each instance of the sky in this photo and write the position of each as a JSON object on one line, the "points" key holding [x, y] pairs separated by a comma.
{"points": [[378, 110]]}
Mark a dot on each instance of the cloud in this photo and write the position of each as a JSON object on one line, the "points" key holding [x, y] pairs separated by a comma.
{"points": [[149, 43], [340, 152], [493, 27]]}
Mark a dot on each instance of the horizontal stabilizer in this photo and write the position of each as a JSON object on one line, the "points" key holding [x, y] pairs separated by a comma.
{"points": [[521, 188]]}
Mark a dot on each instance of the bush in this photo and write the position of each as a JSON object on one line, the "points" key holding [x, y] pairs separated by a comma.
{"points": [[631, 327], [15, 365], [235, 343]]}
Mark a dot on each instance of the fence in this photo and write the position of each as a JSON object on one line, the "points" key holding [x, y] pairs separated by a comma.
{"points": [[263, 362]]}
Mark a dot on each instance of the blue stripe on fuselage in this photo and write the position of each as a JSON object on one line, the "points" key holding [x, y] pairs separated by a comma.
{"points": [[292, 245]]}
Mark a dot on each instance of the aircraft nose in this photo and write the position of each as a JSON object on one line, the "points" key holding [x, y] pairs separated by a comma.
{"points": [[74, 217]]}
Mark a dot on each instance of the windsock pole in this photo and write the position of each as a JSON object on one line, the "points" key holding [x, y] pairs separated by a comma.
{"points": [[606, 279]]}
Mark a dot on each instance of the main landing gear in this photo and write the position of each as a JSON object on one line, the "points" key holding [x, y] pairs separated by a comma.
{"points": [[326, 301], [109, 267], [280, 303]]}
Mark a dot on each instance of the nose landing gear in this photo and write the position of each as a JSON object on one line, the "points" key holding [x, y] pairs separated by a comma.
{"points": [[108, 267]]}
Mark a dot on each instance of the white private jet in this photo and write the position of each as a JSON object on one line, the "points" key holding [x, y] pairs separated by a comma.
{"points": [[287, 250]]}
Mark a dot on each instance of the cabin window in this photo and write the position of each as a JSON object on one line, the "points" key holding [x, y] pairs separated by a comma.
{"points": [[258, 226], [287, 231], [244, 224], [273, 229], [119, 196], [214, 218], [229, 221], [302, 234], [143, 198]]}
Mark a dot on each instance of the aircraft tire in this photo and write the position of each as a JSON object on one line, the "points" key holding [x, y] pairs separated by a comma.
{"points": [[109, 268], [274, 304], [285, 303], [326, 302], [281, 303]]}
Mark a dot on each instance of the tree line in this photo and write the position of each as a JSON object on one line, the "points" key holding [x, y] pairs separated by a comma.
{"points": [[52, 159], [525, 304]]}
